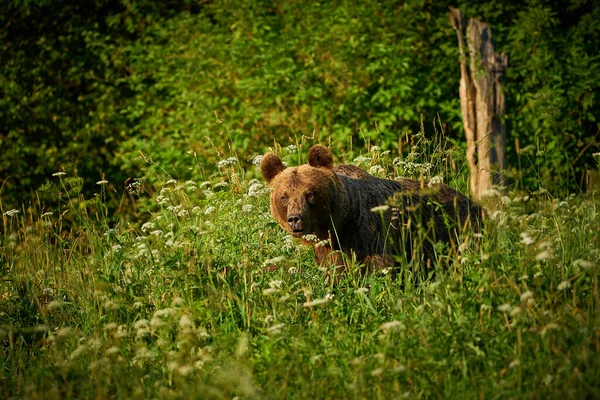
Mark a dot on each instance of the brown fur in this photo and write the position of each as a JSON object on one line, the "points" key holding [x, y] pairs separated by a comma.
{"points": [[334, 203]]}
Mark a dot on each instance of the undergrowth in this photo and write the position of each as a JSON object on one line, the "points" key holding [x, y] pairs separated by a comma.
{"points": [[206, 297]]}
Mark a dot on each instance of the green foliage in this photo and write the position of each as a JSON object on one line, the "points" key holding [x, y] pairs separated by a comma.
{"points": [[86, 87], [208, 297]]}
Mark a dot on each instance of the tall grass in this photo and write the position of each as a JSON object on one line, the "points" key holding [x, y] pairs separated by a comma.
{"points": [[206, 297]]}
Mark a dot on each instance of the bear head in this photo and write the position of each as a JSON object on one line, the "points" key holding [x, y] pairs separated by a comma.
{"points": [[302, 200]]}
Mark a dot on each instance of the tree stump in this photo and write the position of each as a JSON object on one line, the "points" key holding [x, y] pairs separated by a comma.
{"points": [[482, 102]]}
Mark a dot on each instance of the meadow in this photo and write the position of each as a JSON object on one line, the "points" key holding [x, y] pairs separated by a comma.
{"points": [[206, 297]]}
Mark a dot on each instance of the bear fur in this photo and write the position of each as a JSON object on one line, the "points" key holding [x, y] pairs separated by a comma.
{"points": [[335, 204]]}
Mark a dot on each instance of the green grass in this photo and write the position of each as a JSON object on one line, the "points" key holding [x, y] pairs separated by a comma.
{"points": [[206, 297]]}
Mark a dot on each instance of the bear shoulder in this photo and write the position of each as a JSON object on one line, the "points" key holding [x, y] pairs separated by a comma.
{"points": [[352, 171]]}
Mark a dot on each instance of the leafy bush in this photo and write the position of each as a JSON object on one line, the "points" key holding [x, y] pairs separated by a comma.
{"points": [[87, 87]]}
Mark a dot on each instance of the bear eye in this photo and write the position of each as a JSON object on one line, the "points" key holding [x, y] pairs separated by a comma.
{"points": [[284, 199], [310, 196]]}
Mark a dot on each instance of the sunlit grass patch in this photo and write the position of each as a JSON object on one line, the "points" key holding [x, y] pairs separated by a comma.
{"points": [[205, 296]]}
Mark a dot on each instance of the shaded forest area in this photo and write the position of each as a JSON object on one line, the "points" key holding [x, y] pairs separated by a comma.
{"points": [[86, 86]]}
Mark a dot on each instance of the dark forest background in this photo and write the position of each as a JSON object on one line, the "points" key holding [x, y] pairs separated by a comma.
{"points": [[85, 86]]}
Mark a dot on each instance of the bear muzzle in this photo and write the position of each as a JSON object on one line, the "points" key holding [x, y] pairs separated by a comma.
{"points": [[295, 223]]}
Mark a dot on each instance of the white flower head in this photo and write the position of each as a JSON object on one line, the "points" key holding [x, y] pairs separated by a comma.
{"points": [[526, 239], [391, 326], [526, 295], [310, 238], [317, 302], [376, 170], [436, 180], [209, 210], [256, 160], [380, 209], [564, 285], [275, 329], [544, 255], [504, 307]]}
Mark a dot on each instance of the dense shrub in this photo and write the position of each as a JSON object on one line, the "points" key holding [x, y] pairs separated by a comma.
{"points": [[86, 86]]}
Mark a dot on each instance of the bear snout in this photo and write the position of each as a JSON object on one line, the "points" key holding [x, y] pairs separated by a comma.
{"points": [[295, 222]]}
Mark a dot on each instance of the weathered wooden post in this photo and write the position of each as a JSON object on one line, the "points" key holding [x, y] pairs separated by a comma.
{"points": [[482, 102]]}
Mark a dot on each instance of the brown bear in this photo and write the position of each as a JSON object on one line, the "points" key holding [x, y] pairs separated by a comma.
{"points": [[335, 204]]}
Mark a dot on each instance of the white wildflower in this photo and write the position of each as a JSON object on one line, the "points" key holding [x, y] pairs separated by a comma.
{"points": [[148, 226], [391, 326], [177, 301], [361, 159], [323, 243], [256, 160], [310, 238], [515, 311], [564, 285], [257, 189], [275, 329], [11, 213], [110, 326], [164, 312], [361, 290], [102, 182], [544, 255], [162, 200], [317, 302], [526, 239], [585, 264], [78, 352], [504, 307], [121, 332], [220, 185], [185, 370], [64, 332], [209, 210], [526, 295], [380, 209], [275, 260], [436, 180], [141, 324], [111, 305], [186, 322], [376, 170], [292, 149], [60, 173], [490, 193]]}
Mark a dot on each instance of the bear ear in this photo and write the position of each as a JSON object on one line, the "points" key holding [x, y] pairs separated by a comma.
{"points": [[271, 166], [320, 157]]}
